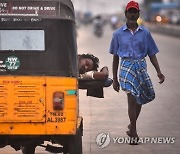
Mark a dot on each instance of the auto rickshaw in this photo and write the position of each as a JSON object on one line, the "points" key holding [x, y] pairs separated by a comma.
{"points": [[39, 76]]}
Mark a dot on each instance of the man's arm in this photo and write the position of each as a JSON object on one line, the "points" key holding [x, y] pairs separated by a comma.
{"points": [[155, 63], [115, 71]]}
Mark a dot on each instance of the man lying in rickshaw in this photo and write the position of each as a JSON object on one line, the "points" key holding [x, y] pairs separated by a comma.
{"points": [[90, 78]]}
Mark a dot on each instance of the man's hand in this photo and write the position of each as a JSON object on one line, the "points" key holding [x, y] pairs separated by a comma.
{"points": [[154, 61], [161, 77], [116, 85]]}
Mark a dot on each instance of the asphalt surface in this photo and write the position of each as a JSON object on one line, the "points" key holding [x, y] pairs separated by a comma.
{"points": [[158, 119], [107, 118]]}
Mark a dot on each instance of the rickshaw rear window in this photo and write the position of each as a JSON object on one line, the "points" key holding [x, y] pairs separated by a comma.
{"points": [[24, 40]]}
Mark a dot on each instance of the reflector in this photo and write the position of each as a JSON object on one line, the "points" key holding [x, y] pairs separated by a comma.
{"points": [[58, 100]]}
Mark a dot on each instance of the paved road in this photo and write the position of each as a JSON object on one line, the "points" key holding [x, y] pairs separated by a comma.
{"points": [[158, 119]]}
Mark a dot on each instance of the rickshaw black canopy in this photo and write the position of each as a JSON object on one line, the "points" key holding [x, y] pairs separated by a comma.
{"points": [[47, 30]]}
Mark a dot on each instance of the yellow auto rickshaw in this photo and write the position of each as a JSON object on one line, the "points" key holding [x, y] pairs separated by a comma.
{"points": [[39, 76]]}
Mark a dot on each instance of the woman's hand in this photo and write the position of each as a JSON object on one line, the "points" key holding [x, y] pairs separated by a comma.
{"points": [[102, 75], [104, 69]]}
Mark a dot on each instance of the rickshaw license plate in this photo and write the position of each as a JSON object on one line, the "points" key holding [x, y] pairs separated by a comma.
{"points": [[56, 117]]}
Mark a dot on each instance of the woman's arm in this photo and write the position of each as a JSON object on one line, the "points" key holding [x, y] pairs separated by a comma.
{"points": [[155, 63], [102, 75]]}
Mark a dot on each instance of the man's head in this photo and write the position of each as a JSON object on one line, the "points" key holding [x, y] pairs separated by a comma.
{"points": [[87, 62], [132, 4], [132, 12]]}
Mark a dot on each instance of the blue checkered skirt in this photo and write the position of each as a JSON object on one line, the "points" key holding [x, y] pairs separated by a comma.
{"points": [[135, 79]]}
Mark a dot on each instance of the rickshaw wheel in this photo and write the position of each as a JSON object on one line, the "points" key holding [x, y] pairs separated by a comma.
{"points": [[74, 145], [29, 149]]}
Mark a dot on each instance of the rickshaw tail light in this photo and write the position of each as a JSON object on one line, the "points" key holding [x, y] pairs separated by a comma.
{"points": [[58, 100]]}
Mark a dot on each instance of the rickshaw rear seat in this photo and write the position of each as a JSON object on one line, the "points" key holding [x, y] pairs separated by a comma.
{"points": [[95, 87]]}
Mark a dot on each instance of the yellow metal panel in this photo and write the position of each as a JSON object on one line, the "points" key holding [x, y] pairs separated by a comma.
{"points": [[71, 102], [37, 128], [64, 128], [22, 128], [62, 121], [55, 81], [26, 105], [22, 99]]}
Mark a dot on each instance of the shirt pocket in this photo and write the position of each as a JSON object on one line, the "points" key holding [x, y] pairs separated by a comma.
{"points": [[139, 46]]}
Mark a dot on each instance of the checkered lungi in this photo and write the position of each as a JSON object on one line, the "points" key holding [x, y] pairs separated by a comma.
{"points": [[135, 79]]}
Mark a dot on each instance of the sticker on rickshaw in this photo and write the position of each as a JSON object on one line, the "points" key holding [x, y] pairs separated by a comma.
{"points": [[12, 63], [28, 8]]}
